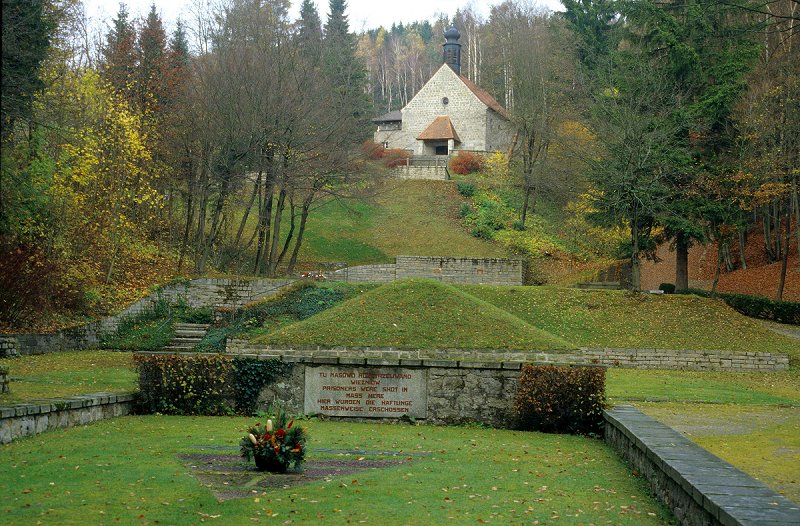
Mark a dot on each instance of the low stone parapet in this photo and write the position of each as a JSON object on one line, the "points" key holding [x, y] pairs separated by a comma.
{"points": [[698, 487], [626, 358], [31, 418]]}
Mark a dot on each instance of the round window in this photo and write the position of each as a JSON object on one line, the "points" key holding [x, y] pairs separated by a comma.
{"points": [[445, 100]]}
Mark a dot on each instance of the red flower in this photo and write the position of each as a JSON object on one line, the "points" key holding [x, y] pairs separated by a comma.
{"points": [[280, 433], [267, 436], [277, 450]]}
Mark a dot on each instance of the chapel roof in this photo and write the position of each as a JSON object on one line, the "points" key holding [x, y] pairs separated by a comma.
{"points": [[392, 116], [485, 97], [440, 129]]}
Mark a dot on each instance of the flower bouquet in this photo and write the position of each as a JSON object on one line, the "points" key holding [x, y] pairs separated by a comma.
{"points": [[275, 445]]}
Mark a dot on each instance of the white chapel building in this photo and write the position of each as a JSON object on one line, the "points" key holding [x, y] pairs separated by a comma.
{"points": [[448, 114]]}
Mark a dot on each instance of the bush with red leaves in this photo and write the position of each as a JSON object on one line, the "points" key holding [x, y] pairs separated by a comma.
{"points": [[467, 163]]}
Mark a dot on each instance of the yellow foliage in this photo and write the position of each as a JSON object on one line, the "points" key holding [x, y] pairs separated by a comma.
{"points": [[591, 238]]}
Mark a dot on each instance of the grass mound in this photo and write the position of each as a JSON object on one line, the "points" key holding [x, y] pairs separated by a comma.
{"points": [[416, 313], [620, 320]]}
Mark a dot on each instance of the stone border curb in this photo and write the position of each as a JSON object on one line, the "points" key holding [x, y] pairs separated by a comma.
{"points": [[697, 486], [37, 416]]}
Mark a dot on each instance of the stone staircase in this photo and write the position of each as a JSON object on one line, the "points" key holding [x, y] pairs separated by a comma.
{"points": [[187, 335], [600, 285]]}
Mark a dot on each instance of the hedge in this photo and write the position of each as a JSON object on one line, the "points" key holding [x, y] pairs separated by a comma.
{"points": [[202, 384], [561, 399]]}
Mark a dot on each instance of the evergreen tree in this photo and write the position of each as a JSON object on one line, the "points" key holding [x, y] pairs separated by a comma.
{"points": [[347, 73], [179, 46], [152, 61], [119, 61], [26, 39], [309, 30]]}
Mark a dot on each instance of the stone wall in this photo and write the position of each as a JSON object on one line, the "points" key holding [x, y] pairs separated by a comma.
{"points": [[699, 488], [626, 358], [217, 293], [366, 274], [25, 419], [8, 346], [433, 173], [457, 392], [3, 379], [486, 271]]}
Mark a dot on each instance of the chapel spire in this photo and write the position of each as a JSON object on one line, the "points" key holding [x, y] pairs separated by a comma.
{"points": [[452, 49]]}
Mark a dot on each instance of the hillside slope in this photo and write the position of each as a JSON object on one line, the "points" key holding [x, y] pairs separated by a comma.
{"points": [[760, 278], [404, 218]]}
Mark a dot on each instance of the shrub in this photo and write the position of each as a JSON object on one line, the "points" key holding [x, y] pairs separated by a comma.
{"points": [[203, 384], [668, 288], [466, 189], [395, 157], [465, 210], [184, 385], [372, 150], [467, 163], [757, 306], [561, 399], [149, 330]]}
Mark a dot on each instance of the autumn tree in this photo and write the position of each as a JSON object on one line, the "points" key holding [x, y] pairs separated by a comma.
{"points": [[118, 61]]}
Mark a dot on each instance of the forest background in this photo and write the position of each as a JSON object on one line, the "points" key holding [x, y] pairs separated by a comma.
{"points": [[146, 155]]}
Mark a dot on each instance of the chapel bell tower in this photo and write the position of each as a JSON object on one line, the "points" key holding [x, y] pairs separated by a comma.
{"points": [[452, 49]]}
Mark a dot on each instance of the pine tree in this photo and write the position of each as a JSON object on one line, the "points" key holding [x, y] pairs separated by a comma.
{"points": [[26, 40], [119, 61], [345, 70], [152, 61], [309, 30]]}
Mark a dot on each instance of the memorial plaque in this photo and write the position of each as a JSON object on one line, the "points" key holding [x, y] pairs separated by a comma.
{"points": [[366, 392]]}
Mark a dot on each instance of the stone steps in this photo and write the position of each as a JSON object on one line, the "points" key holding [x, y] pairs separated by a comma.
{"points": [[600, 285], [187, 336]]}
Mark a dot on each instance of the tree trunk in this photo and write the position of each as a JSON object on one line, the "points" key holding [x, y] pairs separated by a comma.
{"points": [[796, 203], [524, 214], [767, 224], [636, 270], [246, 215], [719, 267], [785, 262], [681, 262], [189, 215], [272, 262], [303, 217], [743, 246]]}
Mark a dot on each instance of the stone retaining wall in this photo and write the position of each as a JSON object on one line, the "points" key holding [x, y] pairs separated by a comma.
{"points": [[32, 418], [422, 172], [627, 358], [478, 271], [457, 392], [217, 293], [367, 274], [699, 488]]}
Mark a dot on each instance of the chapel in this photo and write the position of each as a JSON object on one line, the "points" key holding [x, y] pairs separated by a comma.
{"points": [[448, 114]]}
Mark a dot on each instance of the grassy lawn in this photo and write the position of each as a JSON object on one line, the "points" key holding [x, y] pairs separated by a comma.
{"points": [[594, 318], [405, 217], [128, 471], [751, 420], [416, 313], [424, 313], [59, 374], [763, 441]]}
